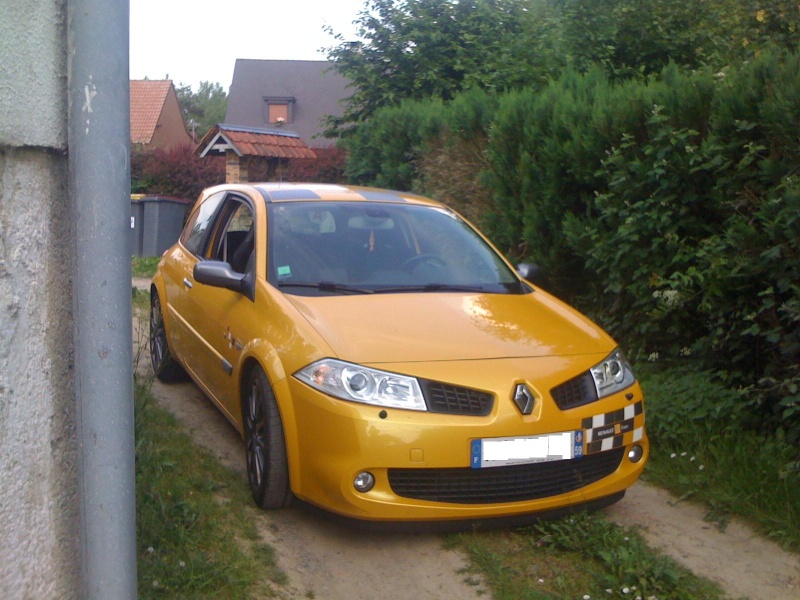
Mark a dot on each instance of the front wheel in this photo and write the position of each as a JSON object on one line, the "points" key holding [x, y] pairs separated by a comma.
{"points": [[267, 466]]}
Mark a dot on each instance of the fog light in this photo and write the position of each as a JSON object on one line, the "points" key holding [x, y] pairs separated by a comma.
{"points": [[635, 453], [364, 482]]}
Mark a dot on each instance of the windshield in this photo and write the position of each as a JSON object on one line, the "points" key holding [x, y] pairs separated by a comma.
{"points": [[329, 248]]}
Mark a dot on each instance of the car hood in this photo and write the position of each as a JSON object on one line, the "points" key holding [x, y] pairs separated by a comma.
{"points": [[392, 328]]}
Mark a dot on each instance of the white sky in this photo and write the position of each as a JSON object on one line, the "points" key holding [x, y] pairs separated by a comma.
{"points": [[199, 40]]}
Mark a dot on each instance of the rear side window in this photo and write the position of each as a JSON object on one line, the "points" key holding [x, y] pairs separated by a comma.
{"points": [[194, 233]]}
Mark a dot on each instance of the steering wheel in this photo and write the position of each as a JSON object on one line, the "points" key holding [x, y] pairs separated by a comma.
{"points": [[430, 260]]}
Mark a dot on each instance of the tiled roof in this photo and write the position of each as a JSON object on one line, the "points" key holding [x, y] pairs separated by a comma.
{"points": [[147, 102], [248, 141]]}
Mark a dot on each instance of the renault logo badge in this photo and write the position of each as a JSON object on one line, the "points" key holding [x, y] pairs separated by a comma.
{"points": [[524, 399]]}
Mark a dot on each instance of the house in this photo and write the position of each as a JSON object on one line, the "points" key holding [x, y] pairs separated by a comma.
{"points": [[291, 95], [252, 154], [156, 117]]}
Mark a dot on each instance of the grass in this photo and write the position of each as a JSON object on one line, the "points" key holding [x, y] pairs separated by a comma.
{"points": [[144, 266], [583, 556], [196, 536]]}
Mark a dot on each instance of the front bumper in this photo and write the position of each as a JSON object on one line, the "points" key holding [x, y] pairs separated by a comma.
{"points": [[421, 460]]}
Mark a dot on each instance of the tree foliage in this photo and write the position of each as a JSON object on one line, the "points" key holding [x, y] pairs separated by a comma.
{"points": [[202, 109], [419, 49], [630, 38]]}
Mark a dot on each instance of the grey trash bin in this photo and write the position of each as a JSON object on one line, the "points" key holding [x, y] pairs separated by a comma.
{"points": [[159, 225], [137, 218]]}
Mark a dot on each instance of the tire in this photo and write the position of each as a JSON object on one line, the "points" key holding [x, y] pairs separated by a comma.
{"points": [[265, 444], [165, 367]]}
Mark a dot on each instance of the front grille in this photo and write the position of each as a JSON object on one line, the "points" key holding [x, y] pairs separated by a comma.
{"points": [[455, 400], [504, 484], [575, 392]]}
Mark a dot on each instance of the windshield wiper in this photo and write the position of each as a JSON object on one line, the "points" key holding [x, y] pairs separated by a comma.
{"points": [[325, 286], [431, 287]]}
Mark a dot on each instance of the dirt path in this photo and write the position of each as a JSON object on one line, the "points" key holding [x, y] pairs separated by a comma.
{"points": [[743, 563], [330, 561]]}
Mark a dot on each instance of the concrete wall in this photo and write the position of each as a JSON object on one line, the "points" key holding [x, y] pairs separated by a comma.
{"points": [[39, 514]]}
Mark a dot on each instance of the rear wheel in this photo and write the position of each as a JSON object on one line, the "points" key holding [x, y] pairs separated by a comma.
{"points": [[166, 368], [267, 466]]}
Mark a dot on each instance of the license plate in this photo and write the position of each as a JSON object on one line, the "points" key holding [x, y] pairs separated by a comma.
{"points": [[499, 452]]}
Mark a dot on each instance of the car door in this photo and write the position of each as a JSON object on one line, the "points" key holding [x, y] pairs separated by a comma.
{"points": [[214, 341], [177, 270]]}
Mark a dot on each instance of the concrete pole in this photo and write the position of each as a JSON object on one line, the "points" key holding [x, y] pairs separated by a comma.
{"points": [[99, 172]]}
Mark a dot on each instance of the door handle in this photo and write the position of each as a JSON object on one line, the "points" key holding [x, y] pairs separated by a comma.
{"points": [[187, 283]]}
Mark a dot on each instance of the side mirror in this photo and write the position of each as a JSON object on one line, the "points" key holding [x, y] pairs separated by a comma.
{"points": [[529, 272], [217, 273]]}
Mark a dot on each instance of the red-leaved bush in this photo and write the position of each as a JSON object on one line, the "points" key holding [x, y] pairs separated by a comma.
{"points": [[174, 172], [328, 167]]}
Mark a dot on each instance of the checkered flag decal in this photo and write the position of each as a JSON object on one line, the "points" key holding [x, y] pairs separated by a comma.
{"points": [[614, 429]]}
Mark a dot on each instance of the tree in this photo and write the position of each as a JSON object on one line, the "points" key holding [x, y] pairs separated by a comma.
{"points": [[419, 49], [203, 109], [630, 38]]}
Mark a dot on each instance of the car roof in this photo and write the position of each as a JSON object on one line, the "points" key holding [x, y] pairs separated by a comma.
{"points": [[327, 192]]}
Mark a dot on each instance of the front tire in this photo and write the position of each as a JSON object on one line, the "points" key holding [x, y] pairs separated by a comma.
{"points": [[166, 368], [265, 444]]}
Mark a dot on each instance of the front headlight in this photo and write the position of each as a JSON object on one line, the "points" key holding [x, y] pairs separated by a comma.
{"points": [[612, 375], [362, 384]]}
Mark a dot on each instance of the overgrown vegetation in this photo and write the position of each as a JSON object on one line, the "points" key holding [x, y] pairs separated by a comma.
{"points": [[421, 49]]}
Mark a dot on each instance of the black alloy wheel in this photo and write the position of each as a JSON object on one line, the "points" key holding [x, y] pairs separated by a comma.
{"points": [[267, 465]]}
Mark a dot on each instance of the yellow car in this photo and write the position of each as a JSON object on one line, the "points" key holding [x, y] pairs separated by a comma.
{"points": [[383, 361]]}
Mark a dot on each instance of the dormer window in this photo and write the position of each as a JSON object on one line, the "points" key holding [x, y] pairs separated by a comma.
{"points": [[278, 111]]}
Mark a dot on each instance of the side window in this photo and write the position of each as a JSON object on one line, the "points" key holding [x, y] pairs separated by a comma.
{"points": [[234, 241], [194, 233]]}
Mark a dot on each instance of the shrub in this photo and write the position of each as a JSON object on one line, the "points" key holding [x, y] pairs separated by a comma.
{"points": [[328, 167], [385, 150], [453, 168], [545, 152], [174, 172]]}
